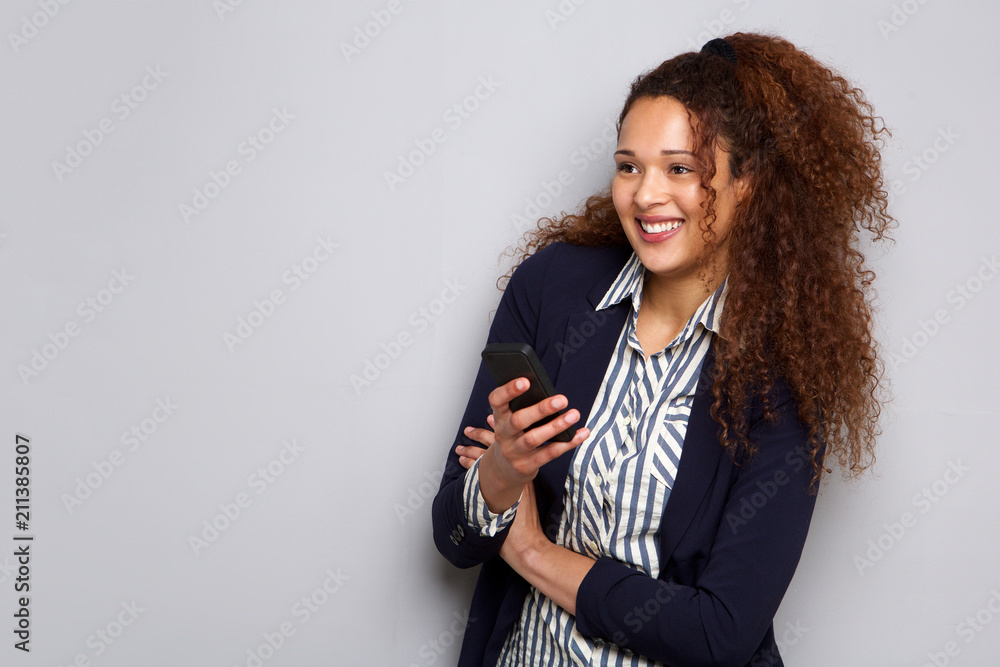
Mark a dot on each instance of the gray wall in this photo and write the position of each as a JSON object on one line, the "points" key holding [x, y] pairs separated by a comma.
{"points": [[201, 255]]}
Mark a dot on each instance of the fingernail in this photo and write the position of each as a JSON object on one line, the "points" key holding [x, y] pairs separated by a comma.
{"points": [[521, 384], [559, 402], [468, 428]]}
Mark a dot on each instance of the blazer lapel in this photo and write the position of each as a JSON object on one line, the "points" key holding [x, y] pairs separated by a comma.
{"points": [[588, 345], [698, 466], [591, 336]]}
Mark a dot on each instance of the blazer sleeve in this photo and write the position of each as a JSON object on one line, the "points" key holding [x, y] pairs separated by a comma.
{"points": [[516, 321], [722, 618]]}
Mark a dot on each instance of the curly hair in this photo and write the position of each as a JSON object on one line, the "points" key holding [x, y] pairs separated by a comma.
{"points": [[799, 304]]}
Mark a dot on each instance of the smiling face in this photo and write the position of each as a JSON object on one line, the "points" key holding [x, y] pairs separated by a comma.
{"points": [[658, 194]]}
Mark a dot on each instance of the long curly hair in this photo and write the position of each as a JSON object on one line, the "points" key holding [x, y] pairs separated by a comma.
{"points": [[799, 304]]}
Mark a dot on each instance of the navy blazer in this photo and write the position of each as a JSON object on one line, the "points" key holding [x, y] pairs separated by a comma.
{"points": [[730, 537]]}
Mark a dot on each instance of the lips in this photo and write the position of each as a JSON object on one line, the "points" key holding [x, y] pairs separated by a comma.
{"points": [[654, 229], [657, 227]]}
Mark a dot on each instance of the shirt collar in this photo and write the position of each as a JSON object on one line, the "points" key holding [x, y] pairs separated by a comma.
{"points": [[629, 284]]}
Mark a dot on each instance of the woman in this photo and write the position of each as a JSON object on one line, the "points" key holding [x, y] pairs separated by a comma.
{"points": [[707, 322]]}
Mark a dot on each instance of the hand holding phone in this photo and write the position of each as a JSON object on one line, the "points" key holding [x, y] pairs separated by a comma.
{"points": [[509, 361], [515, 451]]}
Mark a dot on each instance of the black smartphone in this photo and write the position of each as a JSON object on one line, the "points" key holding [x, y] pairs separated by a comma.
{"points": [[508, 361]]}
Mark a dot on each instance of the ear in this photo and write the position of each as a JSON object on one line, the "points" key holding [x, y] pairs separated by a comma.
{"points": [[741, 188]]}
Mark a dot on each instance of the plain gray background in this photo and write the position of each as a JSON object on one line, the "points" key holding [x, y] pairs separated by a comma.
{"points": [[897, 567]]}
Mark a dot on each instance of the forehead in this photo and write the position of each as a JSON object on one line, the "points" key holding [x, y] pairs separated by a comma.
{"points": [[657, 120]]}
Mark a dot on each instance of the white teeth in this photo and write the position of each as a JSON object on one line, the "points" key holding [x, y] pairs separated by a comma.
{"points": [[657, 227]]}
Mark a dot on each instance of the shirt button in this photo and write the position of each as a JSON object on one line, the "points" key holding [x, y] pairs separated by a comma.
{"points": [[624, 421]]}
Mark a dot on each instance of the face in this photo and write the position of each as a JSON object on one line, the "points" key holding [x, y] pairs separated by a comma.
{"points": [[658, 194]]}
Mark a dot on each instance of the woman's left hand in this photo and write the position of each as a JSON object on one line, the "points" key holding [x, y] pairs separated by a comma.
{"points": [[526, 531], [467, 454]]}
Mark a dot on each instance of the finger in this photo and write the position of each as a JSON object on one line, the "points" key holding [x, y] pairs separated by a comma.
{"points": [[524, 418], [491, 422], [482, 435], [556, 449], [502, 395], [485, 436], [467, 455], [469, 452], [535, 437]]}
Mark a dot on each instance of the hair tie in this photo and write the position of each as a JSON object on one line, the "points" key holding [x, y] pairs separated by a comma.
{"points": [[722, 48]]}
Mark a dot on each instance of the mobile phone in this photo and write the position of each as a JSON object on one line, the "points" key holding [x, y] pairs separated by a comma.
{"points": [[508, 361]]}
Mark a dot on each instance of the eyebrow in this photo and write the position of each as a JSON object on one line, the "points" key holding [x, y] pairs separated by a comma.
{"points": [[663, 152]]}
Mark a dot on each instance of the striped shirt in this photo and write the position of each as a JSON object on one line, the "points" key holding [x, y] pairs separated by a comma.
{"points": [[619, 479]]}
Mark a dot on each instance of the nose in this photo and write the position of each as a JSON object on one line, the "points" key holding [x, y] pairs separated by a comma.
{"points": [[652, 190]]}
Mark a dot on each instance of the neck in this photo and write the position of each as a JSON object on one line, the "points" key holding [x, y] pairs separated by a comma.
{"points": [[672, 302]]}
